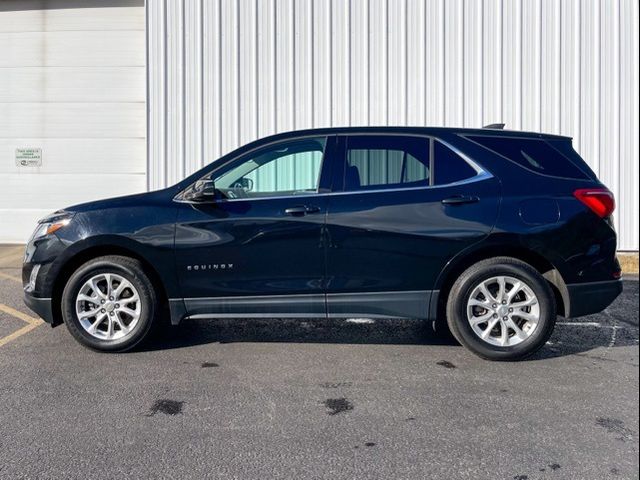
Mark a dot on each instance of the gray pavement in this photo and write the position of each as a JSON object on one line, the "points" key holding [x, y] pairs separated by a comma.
{"points": [[317, 399]]}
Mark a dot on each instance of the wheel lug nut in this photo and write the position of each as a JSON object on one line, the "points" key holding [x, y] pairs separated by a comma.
{"points": [[505, 318], [101, 301], [103, 310], [117, 305], [504, 302], [111, 298], [494, 305], [511, 310], [111, 313], [495, 315]]}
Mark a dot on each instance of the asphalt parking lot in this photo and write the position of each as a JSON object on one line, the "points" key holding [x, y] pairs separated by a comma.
{"points": [[317, 399]]}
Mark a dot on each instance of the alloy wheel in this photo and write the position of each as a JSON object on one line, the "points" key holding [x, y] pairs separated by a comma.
{"points": [[108, 306], [503, 311]]}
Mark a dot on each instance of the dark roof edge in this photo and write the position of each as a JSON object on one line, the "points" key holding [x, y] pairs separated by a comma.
{"points": [[418, 129]]}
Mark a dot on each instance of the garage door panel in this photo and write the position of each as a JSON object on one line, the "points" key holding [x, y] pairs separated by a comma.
{"points": [[95, 48], [69, 84], [72, 120], [25, 16], [42, 191], [72, 84], [77, 155]]}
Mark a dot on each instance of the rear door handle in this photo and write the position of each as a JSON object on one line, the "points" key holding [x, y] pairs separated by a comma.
{"points": [[460, 200], [301, 210]]}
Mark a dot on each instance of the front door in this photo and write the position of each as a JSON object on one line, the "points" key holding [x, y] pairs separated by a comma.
{"points": [[257, 249], [408, 205]]}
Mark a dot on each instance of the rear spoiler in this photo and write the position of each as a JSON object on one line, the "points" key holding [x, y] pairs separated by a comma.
{"points": [[495, 126]]}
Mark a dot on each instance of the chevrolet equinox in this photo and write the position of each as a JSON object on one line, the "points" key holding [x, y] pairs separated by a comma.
{"points": [[493, 233]]}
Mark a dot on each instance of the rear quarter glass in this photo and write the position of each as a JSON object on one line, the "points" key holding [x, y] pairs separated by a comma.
{"points": [[565, 147], [536, 155]]}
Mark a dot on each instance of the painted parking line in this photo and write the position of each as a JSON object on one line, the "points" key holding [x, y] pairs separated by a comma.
{"points": [[18, 314], [17, 334], [10, 277], [588, 324], [32, 323]]}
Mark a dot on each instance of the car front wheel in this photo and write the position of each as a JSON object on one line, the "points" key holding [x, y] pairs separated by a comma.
{"points": [[109, 303], [501, 309]]}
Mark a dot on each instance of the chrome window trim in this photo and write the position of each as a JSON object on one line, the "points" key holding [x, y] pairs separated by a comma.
{"points": [[478, 178], [482, 174]]}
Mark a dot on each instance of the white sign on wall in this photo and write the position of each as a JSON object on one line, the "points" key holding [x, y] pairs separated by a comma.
{"points": [[29, 157]]}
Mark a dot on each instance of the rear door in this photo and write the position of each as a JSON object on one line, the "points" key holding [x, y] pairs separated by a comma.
{"points": [[406, 205]]}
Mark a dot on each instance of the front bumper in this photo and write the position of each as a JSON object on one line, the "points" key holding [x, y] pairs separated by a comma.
{"points": [[592, 297], [41, 306]]}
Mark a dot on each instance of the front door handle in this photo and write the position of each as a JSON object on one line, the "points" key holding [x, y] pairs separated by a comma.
{"points": [[460, 200], [301, 210]]}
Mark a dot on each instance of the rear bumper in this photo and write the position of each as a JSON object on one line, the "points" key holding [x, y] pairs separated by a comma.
{"points": [[41, 306], [592, 297]]}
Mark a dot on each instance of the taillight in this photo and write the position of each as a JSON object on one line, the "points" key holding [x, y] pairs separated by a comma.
{"points": [[600, 200]]}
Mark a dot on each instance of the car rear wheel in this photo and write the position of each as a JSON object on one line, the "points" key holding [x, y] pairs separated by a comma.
{"points": [[109, 303], [501, 309]]}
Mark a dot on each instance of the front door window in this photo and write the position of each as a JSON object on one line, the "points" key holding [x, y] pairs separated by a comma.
{"points": [[287, 169]]}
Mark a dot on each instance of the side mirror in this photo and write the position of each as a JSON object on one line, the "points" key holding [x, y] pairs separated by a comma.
{"points": [[201, 191]]}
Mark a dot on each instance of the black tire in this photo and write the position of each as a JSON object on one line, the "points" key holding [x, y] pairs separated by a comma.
{"points": [[131, 270], [484, 270]]}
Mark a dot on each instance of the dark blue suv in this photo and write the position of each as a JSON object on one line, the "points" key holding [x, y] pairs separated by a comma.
{"points": [[493, 232]]}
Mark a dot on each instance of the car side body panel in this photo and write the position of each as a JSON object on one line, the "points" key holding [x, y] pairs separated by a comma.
{"points": [[374, 253], [229, 250], [141, 226], [396, 242]]}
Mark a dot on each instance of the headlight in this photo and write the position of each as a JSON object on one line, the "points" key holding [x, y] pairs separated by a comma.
{"points": [[51, 224]]}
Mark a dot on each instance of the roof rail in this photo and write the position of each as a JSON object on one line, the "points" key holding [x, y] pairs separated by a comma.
{"points": [[495, 126]]}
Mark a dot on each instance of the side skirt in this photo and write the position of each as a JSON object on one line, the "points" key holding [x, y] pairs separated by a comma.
{"points": [[267, 306], [413, 304]]}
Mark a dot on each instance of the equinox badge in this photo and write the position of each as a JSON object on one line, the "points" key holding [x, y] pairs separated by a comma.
{"points": [[210, 266]]}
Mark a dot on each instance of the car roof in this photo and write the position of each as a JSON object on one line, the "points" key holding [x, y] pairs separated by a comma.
{"points": [[435, 131]]}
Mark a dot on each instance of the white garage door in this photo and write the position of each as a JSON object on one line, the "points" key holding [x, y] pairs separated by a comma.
{"points": [[72, 106]]}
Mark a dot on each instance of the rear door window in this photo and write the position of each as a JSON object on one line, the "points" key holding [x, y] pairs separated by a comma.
{"points": [[375, 162], [531, 153], [380, 162]]}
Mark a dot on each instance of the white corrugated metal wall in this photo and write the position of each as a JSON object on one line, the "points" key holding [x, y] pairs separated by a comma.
{"points": [[222, 73]]}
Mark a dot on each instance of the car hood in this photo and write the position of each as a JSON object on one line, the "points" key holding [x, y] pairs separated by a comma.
{"points": [[139, 199]]}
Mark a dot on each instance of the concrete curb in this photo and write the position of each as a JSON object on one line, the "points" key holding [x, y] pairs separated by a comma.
{"points": [[11, 256], [628, 262]]}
